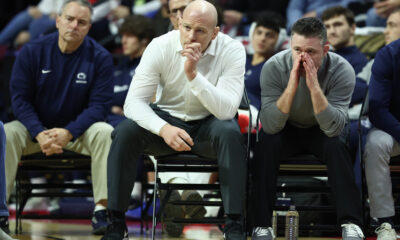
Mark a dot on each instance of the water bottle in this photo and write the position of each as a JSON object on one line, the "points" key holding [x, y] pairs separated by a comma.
{"points": [[274, 223], [292, 224]]}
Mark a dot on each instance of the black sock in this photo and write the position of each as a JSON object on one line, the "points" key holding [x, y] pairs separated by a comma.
{"points": [[117, 216], [386, 220]]}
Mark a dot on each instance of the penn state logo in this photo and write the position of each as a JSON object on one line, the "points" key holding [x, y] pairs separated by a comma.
{"points": [[81, 78]]}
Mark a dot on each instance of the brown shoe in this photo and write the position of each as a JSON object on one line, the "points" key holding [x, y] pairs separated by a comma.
{"points": [[173, 211], [193, 211]]}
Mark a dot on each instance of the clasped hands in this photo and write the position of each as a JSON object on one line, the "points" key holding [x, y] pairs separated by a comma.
{"points": [[53, 140]]}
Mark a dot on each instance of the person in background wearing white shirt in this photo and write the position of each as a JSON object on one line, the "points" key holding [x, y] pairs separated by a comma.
{"points": [[198, 75]]}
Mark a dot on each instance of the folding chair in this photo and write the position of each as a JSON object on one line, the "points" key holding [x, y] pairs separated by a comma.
{"points": [[66, 162]]}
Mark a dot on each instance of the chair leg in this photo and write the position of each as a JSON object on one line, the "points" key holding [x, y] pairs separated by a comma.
{"points": [[153, 227]]}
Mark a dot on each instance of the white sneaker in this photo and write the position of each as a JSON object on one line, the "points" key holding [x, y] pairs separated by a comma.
{"points": [[4, 236], [262, 233], [351, 231], [385, 232]]}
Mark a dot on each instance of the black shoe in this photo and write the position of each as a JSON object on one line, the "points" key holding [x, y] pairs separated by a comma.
{"points": [[117, 230], [4, 224], [233, 230]]}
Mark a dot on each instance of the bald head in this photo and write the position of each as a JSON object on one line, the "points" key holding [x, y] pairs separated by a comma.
{"points": [[202, 10]]}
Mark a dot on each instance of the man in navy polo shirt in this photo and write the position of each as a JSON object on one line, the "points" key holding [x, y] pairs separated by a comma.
{"points": [[61, 88]]}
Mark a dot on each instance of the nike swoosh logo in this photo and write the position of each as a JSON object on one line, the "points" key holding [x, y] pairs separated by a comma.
{"points": [[46, 71]]}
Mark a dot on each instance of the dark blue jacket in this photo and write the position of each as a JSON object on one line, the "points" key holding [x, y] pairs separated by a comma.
{"points": [[52, 89], [358, 60], [384, 97]]}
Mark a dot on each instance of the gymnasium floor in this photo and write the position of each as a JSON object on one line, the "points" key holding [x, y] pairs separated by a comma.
{"points": [[80, 230]]}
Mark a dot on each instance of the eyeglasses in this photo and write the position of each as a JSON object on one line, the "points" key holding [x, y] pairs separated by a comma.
{"points": [[174, 11]]}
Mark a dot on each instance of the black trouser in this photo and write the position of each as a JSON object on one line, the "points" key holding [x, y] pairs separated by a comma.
{"points": [[212, 138], [273, 148]]}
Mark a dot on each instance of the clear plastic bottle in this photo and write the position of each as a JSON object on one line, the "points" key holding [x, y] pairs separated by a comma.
{"points": [[274, 223], [292, 224]]}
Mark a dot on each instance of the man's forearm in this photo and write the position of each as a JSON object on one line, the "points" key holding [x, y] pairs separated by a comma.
{"points": [[319, 101], [285, 101]]}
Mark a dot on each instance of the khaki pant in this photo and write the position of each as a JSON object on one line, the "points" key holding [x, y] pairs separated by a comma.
{"points": [[95, 142]]}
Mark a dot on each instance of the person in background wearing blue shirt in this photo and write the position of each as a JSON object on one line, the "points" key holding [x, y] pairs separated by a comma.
{"points": [[61, 90], [4, 229], [340, 26], [383, 140], [137, 31], [264, 41]]}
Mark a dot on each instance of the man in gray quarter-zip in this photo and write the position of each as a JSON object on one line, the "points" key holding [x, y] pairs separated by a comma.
{"points": [[305, 94]]}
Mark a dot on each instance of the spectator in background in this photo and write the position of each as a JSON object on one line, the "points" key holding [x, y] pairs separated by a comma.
{"points": [[137, 31], [176, 8], [305, 96], [4, 226], [32, 22], [61, 89], [383, 139], [264, 41], [377, 16], [310, 8], [340, 27]]}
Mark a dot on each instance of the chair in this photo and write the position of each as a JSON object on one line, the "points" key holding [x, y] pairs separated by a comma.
{"points": [[189, 162], [58, 164]]}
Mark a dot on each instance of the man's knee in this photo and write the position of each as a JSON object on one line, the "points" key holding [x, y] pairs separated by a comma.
{"points": [[227, 131], [379, 141], [12, 130], [127, 130], [101, 130]]}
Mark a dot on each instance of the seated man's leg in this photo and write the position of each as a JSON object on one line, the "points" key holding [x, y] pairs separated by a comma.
{"points": [[335, 154], [96, 142], [227, 144], [19, 142], [270, 150], [129, 142], [379, 147]]}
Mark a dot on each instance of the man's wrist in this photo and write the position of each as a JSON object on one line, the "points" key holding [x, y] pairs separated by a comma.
{"points": [[192, 75]]}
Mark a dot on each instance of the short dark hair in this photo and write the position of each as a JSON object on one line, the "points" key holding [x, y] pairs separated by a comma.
{"points": [[271, 20], [396, 10], [336, 11], [139, 26], [310, 27], [84, 3]]}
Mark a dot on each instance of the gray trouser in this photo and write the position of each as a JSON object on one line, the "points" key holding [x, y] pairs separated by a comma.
{"points": [[212, 138], [379, 147], [95, 142]]}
